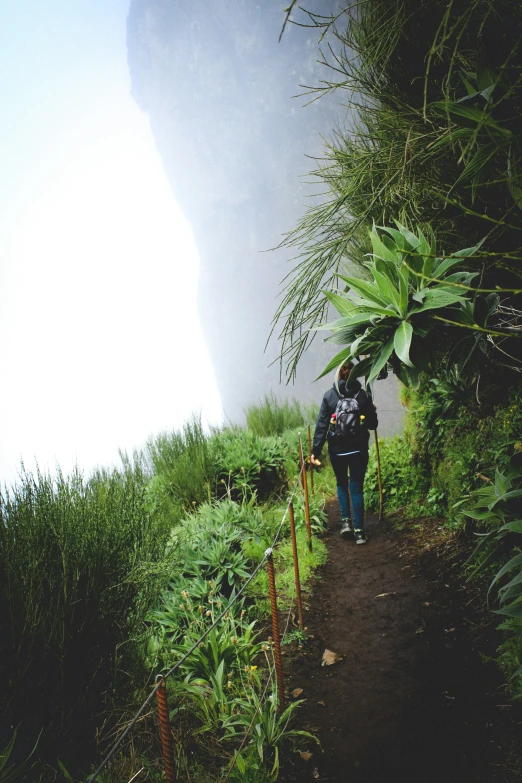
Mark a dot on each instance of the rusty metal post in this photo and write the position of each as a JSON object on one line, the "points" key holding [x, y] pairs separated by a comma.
{"points": [[304, 481], [379, 477], [275, 629], [296, 568], [310, 457], [167, 746]]}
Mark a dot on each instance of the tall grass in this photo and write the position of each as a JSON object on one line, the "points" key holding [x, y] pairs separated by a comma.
{"points": [[80, 564], [182, 463], [274, 417]]}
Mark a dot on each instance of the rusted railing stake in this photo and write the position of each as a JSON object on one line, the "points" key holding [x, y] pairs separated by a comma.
{"points": [[305, 493], [275, 630], [379, 477], [296, 568], [167, 746], [310, 457]]}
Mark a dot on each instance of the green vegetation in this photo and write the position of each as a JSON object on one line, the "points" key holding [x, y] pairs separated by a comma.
{"points": [[429, 162], [273, 417], [404, 482], [79, 565], [433, 141], [392, 318], [108, 580]]}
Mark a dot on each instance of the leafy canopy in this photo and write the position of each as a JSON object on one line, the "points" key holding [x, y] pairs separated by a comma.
{"points": [[388, 318]]}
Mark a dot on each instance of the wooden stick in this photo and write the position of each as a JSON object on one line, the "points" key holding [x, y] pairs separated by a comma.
{"points": [[304, 481], [310, 457], [379, 477]]}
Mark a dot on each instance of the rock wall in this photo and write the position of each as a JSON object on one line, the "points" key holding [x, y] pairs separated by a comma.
{"points": [[218, 88]]}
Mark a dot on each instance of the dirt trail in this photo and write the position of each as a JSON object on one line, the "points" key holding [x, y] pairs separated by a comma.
{"points": [[412, 699]]}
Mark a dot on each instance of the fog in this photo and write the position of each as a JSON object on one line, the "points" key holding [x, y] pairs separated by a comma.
{"points": [[236, 144], [99, 334], [151, 154]]}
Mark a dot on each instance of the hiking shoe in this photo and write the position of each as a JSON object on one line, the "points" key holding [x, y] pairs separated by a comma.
{"points": [[346, 528], [360, 538]]}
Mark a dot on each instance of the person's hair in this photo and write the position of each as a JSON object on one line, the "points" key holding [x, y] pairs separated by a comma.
{"points": [[344, 371]]}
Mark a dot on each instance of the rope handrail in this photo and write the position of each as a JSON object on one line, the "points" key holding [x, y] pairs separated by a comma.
{"points": [[163, 677]]}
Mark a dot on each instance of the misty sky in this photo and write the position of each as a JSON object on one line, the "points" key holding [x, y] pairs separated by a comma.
{"points": [[99, 338]]}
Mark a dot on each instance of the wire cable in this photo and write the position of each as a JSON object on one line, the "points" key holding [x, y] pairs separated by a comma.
{"points": [[203, 636]]}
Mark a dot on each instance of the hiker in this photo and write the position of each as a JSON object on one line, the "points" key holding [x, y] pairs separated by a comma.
{"points": [[346, 415]]}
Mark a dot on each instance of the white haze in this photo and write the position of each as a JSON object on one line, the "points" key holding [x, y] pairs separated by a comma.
{"points": [[99, 336]]}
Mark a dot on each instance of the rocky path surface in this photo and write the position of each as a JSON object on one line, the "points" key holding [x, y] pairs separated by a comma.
{"points": [[412, 699]]}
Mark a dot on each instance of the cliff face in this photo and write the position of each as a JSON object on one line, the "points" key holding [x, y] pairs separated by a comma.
{"points": [[218, 88]]}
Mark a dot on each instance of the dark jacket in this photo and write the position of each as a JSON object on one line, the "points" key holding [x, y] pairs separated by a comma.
{"points": [[328, 406]]}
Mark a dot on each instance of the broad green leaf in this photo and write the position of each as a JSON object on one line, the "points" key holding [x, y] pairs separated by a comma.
{"points": [[515, 493], [402, 342], [440, 269], [336, 362], [476, 514], [501, 483], [512, 527], [410, 238], [403, 290], [511, 591], [360, 369], [387, 290], [375, 309], [381, 360], [455, 258], [346, 336], [385, 269], [511, 611], [462, 277], [468, 251], [435, 299], [345, 323], [513, 563], [409, 376], [343, 305], [381, 251], [356, 343], [364, 289], [424, 245], [396, 235]]}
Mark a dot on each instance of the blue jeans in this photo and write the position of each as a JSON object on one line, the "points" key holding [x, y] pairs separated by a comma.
{"points": [[356, 464]]}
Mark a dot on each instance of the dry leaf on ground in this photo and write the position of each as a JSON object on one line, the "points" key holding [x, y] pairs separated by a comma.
{"points": [[322, 703], [330, 658], [297, 692], [305, 755]]}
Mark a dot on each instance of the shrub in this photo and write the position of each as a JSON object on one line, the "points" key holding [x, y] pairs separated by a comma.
{"points": [[80, 564], [274, 417], [183, 465], [247, 463], [402, 480]]}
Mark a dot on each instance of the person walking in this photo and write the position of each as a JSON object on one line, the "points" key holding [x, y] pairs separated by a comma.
{"points": [[347, 414]]}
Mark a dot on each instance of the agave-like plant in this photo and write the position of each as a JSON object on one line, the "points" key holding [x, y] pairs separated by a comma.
{"points": [[386, 319]]}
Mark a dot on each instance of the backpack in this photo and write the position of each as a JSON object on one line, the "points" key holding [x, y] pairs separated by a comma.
{"points": [[347, 418]]}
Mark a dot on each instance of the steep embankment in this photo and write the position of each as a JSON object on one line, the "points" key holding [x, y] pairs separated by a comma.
{"points": [[412, 699]]}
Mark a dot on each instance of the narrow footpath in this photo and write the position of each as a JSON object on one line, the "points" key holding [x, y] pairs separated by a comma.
{"points": [[411, 699]]}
